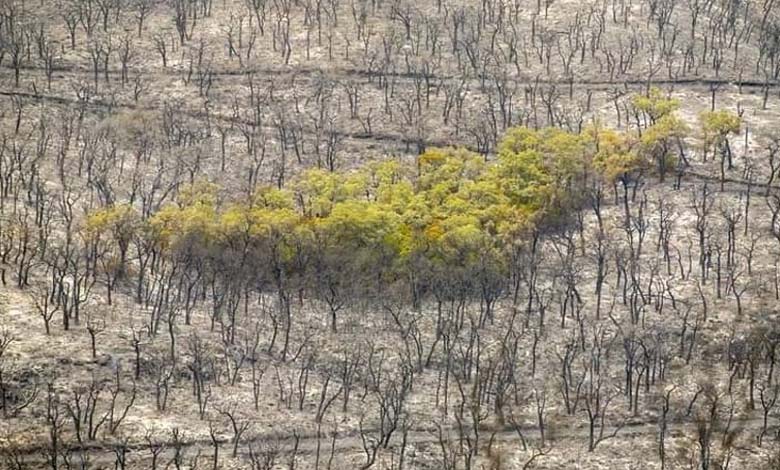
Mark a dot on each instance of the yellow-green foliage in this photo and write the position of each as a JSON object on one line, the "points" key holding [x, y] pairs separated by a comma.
{"points": [[720, 122], [112, 229], [452, 211], [615, 156], [655, 105], [716, 127], [191, 221], [453, 208], [119, 221], [659, 142]]}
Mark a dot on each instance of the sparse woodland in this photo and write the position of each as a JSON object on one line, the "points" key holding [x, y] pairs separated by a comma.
{"points": [[389, 234]]}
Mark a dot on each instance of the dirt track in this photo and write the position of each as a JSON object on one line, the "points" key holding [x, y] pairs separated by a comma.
{"points": [[350, 442]]}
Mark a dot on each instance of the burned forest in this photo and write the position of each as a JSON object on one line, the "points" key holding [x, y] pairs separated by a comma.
{"points": [[389, 234]]}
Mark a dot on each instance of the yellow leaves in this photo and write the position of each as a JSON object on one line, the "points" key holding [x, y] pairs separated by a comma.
{"points": [[617, 165], [194, 219], [667, 127], [554, 143], [615, 157], [317, 190], [536, 166], [355, 185], [111, 218], [562, 145], [445, 168], [395, 195], [720, 122], [513, 224], [717, 125], [117, 224], [518, 139], [608, 140], [362, 234], [165, 224], [197, 217], [521, 175], [655, 104], [358, 224], [660, 141], [462, 233], [257, 225], [456, 209], [235, 221], [201, 192], [431, 158], [434, 232], [388, 172], [483, 194], [273, 198], [462, 241]]}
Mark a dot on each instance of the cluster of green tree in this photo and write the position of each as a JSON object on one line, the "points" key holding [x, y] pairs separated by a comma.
{"points": [[454, 223]]}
